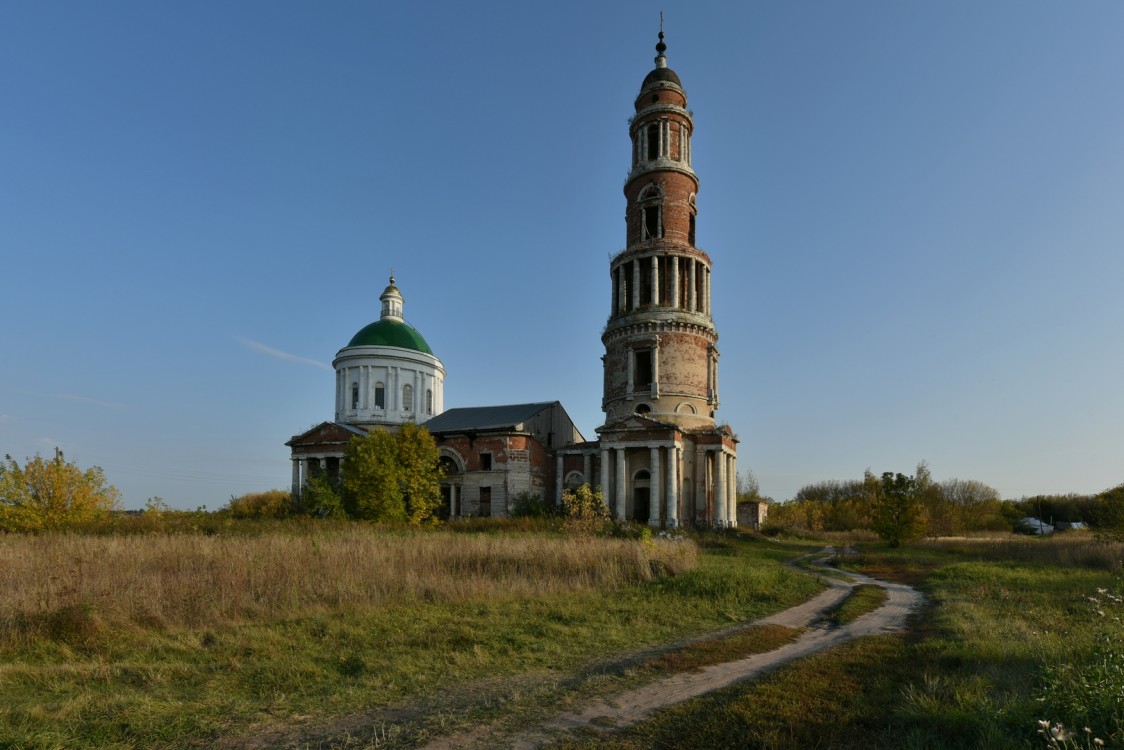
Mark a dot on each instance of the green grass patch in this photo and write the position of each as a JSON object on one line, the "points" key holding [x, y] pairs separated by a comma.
{"points": [[863, 598], [1001, 645], [739, 645]]}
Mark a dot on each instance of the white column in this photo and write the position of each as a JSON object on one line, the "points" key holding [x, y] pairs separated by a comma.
{"points": [[452, 501], [619, 505], [655, 387], [672, 487], [656, 497], [732, 491], [655, 280], [296, 478], [674, 301], [706, 289], [702, 482], [622, 290], [635, 284], [558, 483], [720, 500]]}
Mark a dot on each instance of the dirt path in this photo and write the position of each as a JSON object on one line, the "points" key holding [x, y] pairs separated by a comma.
{"points": [[636, 705]]}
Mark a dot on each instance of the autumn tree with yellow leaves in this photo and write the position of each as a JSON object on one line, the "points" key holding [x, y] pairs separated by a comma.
{"points": [[44, 495]]}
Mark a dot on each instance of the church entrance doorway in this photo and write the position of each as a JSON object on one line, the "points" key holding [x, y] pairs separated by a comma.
{"points": [[641, 497]]}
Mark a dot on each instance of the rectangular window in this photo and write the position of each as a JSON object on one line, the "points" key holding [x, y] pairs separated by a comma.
{"points": [[643, 379], [485, 501], [354, 395], [485, 461], [653, 141], [380, 396]]}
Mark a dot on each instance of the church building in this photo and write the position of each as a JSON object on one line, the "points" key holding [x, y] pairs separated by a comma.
{"points": [[661, 457]]}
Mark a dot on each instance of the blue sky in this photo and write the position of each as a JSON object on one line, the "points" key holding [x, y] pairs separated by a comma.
{"points": [[915, 213]]}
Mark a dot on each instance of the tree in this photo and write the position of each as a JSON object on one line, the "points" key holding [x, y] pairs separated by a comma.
{"points": [[899, 514], [392, 477], [419, 463], [320, 497], [584, 511], [45, 495], [748, 489], [1108, 515]]}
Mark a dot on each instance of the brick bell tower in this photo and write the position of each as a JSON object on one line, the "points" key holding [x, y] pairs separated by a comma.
{"points": [[663, 458], [660, 353]]}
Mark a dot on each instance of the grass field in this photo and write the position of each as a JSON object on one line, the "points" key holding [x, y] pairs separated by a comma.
{"points": [[349, 636], [1013, 634]]}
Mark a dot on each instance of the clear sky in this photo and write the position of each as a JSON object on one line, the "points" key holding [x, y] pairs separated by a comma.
{"points": [[915, 213]]}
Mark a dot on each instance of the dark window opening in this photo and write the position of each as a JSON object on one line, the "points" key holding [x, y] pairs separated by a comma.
{"points": [[485, 461], [691, 231], [354, 395], [380, 396], [643, 374], [653, 141], [643, 409], [645, 282], [485, 501], [651, 222]]}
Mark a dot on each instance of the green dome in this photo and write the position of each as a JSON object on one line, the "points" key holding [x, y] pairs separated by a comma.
{"points": [[387, 332]]}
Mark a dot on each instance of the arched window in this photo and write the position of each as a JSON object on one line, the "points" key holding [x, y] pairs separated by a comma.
{"points": [[643, 409], [651, 212], [407, 397], [380, 396], [354, 395]]}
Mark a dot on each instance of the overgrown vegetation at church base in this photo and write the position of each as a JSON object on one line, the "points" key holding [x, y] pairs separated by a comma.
{"points": [[1013, 634], [198, 640]]}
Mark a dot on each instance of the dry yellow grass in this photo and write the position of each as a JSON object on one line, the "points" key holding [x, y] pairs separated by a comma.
{"points": [[1078, 549], [183, 580]]}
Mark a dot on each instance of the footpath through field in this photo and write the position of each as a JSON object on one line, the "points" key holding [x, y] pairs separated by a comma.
{"points": [[636, 705]]}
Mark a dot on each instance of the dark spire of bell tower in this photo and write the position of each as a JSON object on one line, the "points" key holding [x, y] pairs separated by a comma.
{"points": [[661, 59]]}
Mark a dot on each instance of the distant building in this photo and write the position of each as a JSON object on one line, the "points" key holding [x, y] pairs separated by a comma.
{"points": [[661, 458]]}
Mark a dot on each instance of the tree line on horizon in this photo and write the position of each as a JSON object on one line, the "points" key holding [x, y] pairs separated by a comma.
{"points": [[395, 477], [900, 507]]}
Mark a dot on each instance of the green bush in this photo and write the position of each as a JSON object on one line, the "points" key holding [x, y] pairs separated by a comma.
{"points": [[531, 505]]}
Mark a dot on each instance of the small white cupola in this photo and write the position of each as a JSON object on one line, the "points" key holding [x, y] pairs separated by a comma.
{"points": [[391, 300]]}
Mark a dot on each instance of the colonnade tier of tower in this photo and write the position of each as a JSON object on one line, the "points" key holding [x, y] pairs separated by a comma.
{"points": [[661, 357]]}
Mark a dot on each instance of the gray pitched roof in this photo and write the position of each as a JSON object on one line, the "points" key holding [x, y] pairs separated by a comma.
{"points": [[507, 417]]}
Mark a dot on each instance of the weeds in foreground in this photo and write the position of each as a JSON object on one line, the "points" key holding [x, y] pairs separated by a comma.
{"points": [[1089, 690], [1057, 736]]}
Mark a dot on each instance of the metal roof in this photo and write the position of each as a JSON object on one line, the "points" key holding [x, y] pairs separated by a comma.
{"points": [[507, 417]]}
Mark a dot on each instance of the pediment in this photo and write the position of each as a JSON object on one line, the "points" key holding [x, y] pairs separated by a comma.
{"points": [[326, 433]]}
